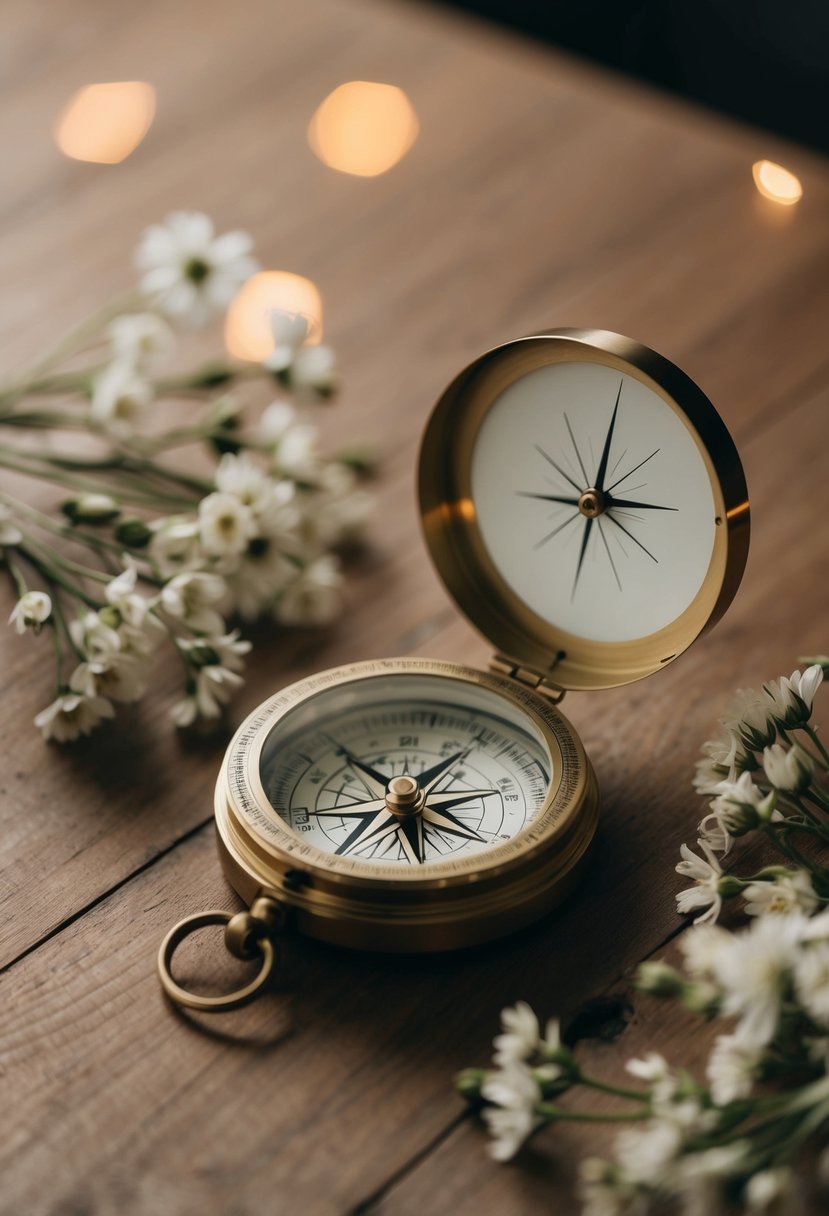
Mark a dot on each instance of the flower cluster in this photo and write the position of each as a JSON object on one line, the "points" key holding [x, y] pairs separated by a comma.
{"points": [[764, 770], [736, 1137], [172, 557]]}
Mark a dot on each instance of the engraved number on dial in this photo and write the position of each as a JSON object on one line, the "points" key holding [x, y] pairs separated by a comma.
{"points": [[408, 783]]}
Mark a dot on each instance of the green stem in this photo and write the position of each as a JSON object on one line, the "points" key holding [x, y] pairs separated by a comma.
{"points": [[17, 576], [60, 617], [52, 575], [618, 1091], [813, 735], [555, 1113]]}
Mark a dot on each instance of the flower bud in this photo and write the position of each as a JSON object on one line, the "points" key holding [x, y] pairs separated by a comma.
{"points": [[468, 1083], [659, 978], [729, 886], [91, 509], [133, 533], [789, 770]]}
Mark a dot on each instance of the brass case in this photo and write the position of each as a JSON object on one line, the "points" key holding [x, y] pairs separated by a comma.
{"points": [[439, 906]]}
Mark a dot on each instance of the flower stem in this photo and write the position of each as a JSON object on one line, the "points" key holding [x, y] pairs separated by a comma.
{"points": [[813, 735]]}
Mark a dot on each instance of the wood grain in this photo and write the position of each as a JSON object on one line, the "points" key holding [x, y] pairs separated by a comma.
{"points": [[540, 192]]}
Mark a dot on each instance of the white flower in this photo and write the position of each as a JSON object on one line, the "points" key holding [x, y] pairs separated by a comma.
{"points": [[338, 509], [215, 685], [225, 525], [91, 508], [121, 594], [189, 273], [647, 1153], [276, 419], [811, 979], [787, 768], [706, 873], [515, 1094], [521, 1036], [748, 715], [753, 970], [175, 544], [33, 609], [313, 598], [788, 892], [185, 712], [314, 367], [739, 807], [191, 597], [290, 331], [142, 341], [117, 676], [72, 714], [702, 947], [120, 399], [241, 478], [732, 1067], [767, 1188], [724, 758], [651, 1067], [226, 650], [10, 534], [604, 1192], [263, 571], [93, 636], [790, 698]]}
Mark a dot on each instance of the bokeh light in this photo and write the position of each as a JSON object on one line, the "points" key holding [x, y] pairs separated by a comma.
{"points": [[363, 128], [104, 123], [248, 324], [776, 183]]}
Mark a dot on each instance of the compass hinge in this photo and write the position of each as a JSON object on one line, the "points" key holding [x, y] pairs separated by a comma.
{"points": [[536, 680]]}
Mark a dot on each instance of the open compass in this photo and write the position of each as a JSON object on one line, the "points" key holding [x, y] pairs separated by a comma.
{"points": [[586, 508]]}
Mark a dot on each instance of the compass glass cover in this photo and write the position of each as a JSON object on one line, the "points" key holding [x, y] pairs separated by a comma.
{"points": [[411, 771], [593, 501]]}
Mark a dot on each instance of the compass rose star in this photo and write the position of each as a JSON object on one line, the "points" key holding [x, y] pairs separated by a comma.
{"points": [[597, 499]]}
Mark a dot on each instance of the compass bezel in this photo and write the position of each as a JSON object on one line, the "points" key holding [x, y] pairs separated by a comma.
{"points": [[457, 549], [440, 905]]}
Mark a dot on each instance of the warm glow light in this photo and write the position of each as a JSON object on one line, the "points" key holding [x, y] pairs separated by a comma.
{"points": [[363, 128], [248, 326], [776, 183], [105, 122]]}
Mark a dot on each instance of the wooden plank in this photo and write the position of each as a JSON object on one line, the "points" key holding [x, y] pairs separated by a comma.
{"points": [[540, 191], [339, 1081]]}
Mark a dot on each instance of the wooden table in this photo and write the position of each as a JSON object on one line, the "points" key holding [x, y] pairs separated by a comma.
{"points": [[539, 192]]}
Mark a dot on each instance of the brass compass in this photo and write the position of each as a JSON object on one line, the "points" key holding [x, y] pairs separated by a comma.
{"points": [[586, 507]]}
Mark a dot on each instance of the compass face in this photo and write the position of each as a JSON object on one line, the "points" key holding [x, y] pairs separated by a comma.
{"points": [[593, 501], [405, 771]]}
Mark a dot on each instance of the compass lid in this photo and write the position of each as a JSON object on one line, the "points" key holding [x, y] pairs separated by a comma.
{"points": [[584, 504]]}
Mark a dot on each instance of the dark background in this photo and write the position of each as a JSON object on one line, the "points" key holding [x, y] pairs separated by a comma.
{"points": [[765, 61]]}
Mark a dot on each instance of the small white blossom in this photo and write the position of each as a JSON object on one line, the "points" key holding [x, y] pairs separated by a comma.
{"points": [[515, 1094], [790, 698], [188, 272], [263, 571], [190, 597], [117, 676], [748, 716], [313, 597], [702, 946], [290, 331], [10, 534], [786, 893], [93, 636], [739, 807], [724, 758], [225, 525], [706, 873], [732, 1068], [121, 594], [215, 685], [314, 367], [811, 979], [647, 1153], [241, 478], [175, 544], [339, 509], [141, 340], [72, 714], [604, 1192], [753, 969], [91, 508], [766, 1189], [31, 611], [120, 400], [520, 1035], [227, 650], [276, 419], [787, 768]]}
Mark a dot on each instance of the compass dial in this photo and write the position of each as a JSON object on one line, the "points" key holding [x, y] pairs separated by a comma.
{"points": [[407, 774], [594, 501]]}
